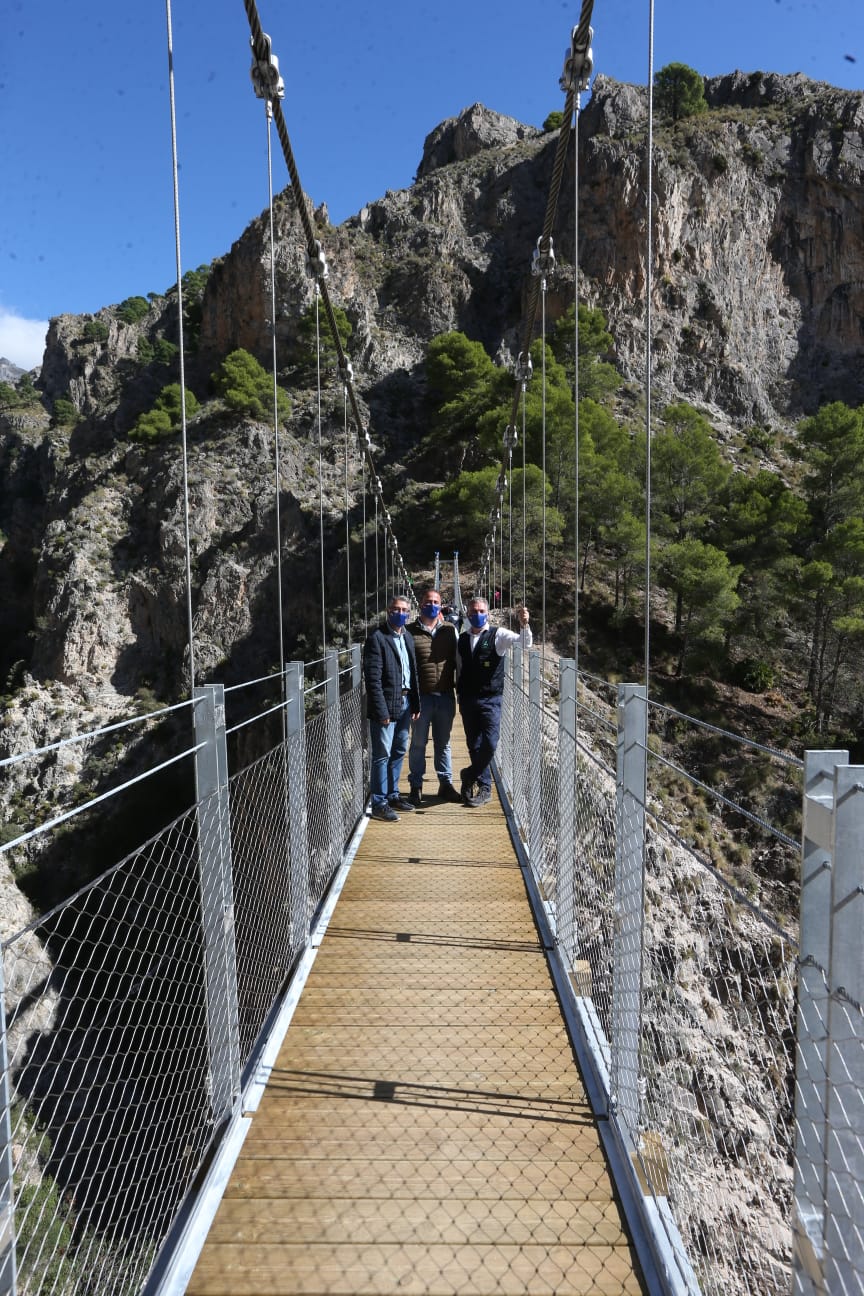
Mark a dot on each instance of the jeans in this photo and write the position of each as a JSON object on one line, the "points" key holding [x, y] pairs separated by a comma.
{"points": [[388, 744], [436, 711], [481, 718]]}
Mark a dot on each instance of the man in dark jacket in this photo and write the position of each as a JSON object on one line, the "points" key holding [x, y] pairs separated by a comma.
{"points": [[479, 688], [435, 648], [392, 701]]}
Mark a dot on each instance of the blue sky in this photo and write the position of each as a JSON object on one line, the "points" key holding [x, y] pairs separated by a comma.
{"points": [[87, 212]]}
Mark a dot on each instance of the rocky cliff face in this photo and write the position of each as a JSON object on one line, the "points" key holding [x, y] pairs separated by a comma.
{"points": [[757, 292]]}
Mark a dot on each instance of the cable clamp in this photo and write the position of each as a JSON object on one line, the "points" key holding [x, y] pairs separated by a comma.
{"points": [[542, 259], [524, 368], [578, 62], [346, 372], [266, 81], [316, 263], [511, 436], [365, 439], [502, 483]]}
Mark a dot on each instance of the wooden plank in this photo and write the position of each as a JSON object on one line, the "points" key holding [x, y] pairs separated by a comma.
{"points": [[424, 1128], [412, 1270], [428, 1220]]}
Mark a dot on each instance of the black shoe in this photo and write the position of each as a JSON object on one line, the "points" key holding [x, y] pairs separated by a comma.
{"points": [[415, 796], [481, 797], [401, 803], [385, 812], [447, 792], [467, 786]]}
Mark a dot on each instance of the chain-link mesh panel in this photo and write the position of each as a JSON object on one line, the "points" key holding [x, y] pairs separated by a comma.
{"points": [[353, 771], [324, 854], [108, 1070], [594, 886], [264, 903], [717, 1071]]}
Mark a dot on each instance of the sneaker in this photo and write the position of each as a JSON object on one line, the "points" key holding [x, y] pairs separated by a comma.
{"points": [[385, 812], [415, 796], [466, 786], [447, 792], [481, 797], [401, 803]]}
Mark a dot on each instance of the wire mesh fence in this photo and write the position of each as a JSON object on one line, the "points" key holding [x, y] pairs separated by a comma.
{"points": [[674, 908], [132, 1007]]}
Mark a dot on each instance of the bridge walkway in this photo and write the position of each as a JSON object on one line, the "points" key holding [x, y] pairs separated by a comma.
{"points": [[425, 1128]]}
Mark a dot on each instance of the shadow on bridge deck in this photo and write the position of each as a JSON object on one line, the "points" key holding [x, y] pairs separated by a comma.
{"points": [[425, 1128]]}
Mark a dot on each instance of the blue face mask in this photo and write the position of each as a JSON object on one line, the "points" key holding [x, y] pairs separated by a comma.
{"points": [[397, 618], [430, 611], [478, 619]]}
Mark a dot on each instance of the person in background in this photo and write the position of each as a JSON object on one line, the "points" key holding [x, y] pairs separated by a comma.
{"points": [[392, 701], [450, 613], [435, 650], [479, 688]]}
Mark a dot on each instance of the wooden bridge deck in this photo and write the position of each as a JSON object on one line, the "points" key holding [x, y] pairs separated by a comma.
{"points": [[425, 1128]]}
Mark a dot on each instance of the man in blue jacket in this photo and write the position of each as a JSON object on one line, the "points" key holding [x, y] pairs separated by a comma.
{"points": [[392, 702]]}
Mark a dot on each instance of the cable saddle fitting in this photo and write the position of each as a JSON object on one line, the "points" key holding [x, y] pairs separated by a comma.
{"points": [[578, 63], [266, 81], [316, 263], [542, 259], [346, 372], [524, 371], [511, 436]]}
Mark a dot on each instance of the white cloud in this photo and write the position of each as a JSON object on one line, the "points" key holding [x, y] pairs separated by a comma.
{"points": [[22, 340]]}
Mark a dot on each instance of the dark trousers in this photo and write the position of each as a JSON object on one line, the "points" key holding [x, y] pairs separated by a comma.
{"points": [[481, 719]]}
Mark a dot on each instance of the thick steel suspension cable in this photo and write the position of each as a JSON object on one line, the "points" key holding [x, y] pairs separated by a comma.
{"points": [[262, 53], [320, 477], [277, 466], [183, 438]]}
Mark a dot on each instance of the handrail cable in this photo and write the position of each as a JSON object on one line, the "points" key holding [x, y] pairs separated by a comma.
{"points": [[786, 757], [95, 733], [261, 48], [181, 349], [103, 796]]}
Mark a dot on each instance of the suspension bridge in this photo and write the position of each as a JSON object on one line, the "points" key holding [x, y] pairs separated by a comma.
{"points": [[544, 1046]]}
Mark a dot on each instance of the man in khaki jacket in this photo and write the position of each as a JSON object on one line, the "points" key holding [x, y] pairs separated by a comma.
{"points": [[435, 650]]}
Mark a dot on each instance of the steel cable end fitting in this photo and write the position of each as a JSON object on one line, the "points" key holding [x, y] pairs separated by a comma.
{"points": [[316, 263], [511, 436], [524, 368], [346, 373], [266, 81], [578, 62], [542, 259]]}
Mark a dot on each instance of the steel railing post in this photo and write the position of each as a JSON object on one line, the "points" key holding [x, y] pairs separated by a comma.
{"points": [[535, 764], [8, 1266], [217, 898], [333, 748], [565, 922], [298, 837], [628, 906], [844, 1144], [516, 669], [811, 1062], [357, 737]]}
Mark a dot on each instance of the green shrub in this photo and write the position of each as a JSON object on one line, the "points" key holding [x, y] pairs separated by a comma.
{"points": [[247, 387], [146, 350], [95, 331], [165, 417], [65, 413], [553, 121], [166, 352], [754, 675], [132, 309]]}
